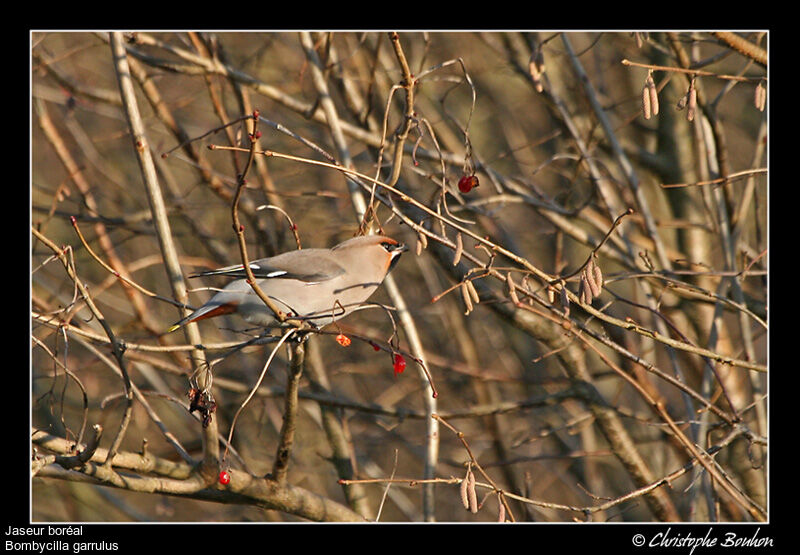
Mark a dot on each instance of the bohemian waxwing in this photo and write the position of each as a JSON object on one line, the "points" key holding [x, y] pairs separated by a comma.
{"points": [[316, 285]]}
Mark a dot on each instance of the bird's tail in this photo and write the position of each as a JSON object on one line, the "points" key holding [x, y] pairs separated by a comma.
{"points": [[207, 311], [177, 325]]}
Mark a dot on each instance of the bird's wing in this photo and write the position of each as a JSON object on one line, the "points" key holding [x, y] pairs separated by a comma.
{"points": [[308, 265]]}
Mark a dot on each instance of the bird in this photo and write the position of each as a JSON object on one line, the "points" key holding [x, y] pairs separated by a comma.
{"points": [[315, 285]]}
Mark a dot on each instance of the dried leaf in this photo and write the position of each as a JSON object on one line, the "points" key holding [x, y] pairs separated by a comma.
{"points": [[536, 69]]}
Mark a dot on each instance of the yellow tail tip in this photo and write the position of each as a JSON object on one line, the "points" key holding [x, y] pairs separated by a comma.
{"points": [[173, 328]]}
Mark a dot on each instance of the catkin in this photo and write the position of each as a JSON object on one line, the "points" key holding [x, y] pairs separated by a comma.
{"points": [[473, 292], [598, 276], [459, 250], [760, 98], [466, 296], [646, 109], [463, 490], [512, 289], [691, 103], [650, 85], [422, 243], [594, 287], [472, 495], [585, 292]]}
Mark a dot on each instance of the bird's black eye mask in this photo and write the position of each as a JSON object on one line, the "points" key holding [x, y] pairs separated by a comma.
{"points": [[391, 247], [396, 249]]}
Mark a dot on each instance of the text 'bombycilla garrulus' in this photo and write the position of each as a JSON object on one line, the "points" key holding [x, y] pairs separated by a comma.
{"points": [[314, 285]]}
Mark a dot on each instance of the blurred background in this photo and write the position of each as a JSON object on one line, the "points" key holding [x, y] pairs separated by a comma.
{"points": [[556, 404]]}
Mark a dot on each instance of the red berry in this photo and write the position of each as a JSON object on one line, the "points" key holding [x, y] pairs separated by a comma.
{"points": [[343, 340], [224, 478], [467, 183], [399, 364]]}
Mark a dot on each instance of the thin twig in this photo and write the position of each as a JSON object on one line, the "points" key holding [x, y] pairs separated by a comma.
{"points": [[283, 339], [691, 71], [280, 467]]}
